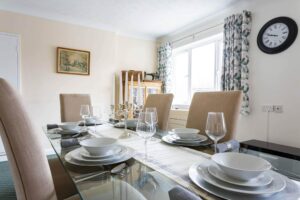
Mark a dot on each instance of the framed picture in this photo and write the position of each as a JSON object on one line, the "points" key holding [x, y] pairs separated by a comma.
{"points": [[73, 61]]}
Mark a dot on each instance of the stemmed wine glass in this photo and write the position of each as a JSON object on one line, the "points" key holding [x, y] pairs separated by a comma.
{"points": [[145, 127], [215, 127], [84, 113], [97, 115], [154, 111]]}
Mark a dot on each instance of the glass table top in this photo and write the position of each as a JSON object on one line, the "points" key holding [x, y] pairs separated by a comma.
{"points": [[141, 180]]}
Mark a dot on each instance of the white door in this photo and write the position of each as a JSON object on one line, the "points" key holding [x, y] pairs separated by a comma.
{"points": [[9, 63]]}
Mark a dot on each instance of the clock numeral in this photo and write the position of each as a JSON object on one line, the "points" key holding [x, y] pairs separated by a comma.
{"points": [[284, 37]]}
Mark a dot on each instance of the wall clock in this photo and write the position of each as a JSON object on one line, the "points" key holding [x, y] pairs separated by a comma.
{"points": [[277, 35]]}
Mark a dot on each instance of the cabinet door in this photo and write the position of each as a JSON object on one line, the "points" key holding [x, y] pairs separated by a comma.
{"points": [[135, 95], [152, 90]]}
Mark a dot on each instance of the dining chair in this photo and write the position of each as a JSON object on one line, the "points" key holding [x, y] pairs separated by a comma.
{"points": [[162, 103], [70, 106], [23, 145], [228, 102]]}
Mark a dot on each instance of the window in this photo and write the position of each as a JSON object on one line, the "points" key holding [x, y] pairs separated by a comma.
{"points": [[196, 67]]}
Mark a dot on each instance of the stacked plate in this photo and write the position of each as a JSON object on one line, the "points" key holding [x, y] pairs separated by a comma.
{"points": [[99, 151], [186, 137], [71, 128], [239, 176]]}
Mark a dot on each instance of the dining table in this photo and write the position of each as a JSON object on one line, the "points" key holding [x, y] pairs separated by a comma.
{"points": [[148, 177]]}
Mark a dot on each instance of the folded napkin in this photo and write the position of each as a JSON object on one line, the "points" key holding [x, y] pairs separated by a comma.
{"points": [[51, 126], [65, 143], [179, 193], [231, 145]]}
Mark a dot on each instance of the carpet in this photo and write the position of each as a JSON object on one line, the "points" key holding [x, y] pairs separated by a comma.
{"points": [[7, 190]]}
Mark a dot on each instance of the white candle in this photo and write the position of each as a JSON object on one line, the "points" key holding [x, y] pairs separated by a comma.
{"points": [[121, 89], [113, 90], [126, 87], [139, 95], [131, 90]]}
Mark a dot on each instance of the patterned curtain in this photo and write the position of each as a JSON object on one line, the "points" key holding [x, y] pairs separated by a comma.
{"points": [[235, 74], [164, 66]]}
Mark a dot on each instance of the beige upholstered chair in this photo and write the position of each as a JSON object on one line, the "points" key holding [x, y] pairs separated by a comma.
{"points": [[228, 102], [70, 106], [29, 165], [162, 103]]}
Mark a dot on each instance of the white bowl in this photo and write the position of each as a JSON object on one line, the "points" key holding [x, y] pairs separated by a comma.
{"points": [[186, 133], [68, 125], [99, 146], [241, 166]]}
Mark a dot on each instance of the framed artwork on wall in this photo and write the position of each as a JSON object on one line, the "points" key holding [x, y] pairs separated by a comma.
{"points": [[73, 61]]}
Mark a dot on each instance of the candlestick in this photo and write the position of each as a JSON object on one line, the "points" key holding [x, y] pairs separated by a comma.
{"points": [[126, 86], [113, 90], [131, 90], [121, 89], [139, 95]]}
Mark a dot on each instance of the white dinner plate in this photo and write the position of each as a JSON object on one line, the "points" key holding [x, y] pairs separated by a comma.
{"points": [[126, 156], [291, 191], [116, 150], [262, 180], [167, 139], [277, 185], [199, 138], [76, 155]]}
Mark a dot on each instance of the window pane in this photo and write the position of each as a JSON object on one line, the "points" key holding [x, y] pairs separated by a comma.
{"points": [[203, 68], [180, 78]]}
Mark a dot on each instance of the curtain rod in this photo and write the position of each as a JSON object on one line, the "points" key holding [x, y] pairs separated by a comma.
{"points": [[193, 35]]}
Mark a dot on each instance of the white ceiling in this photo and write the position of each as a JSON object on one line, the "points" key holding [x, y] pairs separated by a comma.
{"points": [[140, 18]]}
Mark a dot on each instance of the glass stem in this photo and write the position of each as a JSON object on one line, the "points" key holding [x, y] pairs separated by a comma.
{"points": [[145, 149], [216, 146]]}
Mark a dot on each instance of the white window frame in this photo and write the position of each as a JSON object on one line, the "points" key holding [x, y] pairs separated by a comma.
{"points": [[217, 39]]}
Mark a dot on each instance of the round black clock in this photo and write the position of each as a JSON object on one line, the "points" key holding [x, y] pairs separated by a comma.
{"points": [[277, 35]]}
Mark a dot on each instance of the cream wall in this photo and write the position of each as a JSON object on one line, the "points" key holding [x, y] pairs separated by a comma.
{"points": [[274, 79], [41, 85]]}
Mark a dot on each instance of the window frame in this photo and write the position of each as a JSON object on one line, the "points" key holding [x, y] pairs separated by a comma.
{"points": [[217, 39]]}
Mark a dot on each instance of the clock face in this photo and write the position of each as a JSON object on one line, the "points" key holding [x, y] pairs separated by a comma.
{"points": [[275, 35]]}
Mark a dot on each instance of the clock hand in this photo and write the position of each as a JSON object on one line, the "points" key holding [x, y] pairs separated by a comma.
{"points": [[272, 35]]}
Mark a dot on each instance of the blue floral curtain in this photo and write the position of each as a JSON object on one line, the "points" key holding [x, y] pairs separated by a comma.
{"points": [[164, 66], [235, 75]]}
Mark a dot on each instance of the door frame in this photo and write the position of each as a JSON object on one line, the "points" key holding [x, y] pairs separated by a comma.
{"points": [[18, 37]]}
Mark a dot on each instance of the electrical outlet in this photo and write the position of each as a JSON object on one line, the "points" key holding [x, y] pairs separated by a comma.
{"points": [[268, 108], [278, 108]]}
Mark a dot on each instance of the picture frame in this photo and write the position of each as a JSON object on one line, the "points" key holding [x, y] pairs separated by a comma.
{"points": [[73, 61]]}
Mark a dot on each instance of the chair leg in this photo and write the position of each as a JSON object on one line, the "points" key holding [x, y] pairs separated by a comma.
{"points": [[63, 184]]}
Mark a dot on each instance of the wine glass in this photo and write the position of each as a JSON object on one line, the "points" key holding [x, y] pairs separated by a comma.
{"points": [[84, 113], [215, 127], [97, 115], [154, 111], [145, 127]]}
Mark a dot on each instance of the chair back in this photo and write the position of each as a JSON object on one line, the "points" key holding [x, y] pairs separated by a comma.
{"points": [[70, 106], [228, 102], [23, 146], [162, 103]]}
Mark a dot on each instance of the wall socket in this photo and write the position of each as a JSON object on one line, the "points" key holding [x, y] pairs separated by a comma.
{"points": [[272, 108]]}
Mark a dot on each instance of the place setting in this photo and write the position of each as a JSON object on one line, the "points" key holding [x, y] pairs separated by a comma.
{"points": [[234, 175], [99, 152], [186, 137]]}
